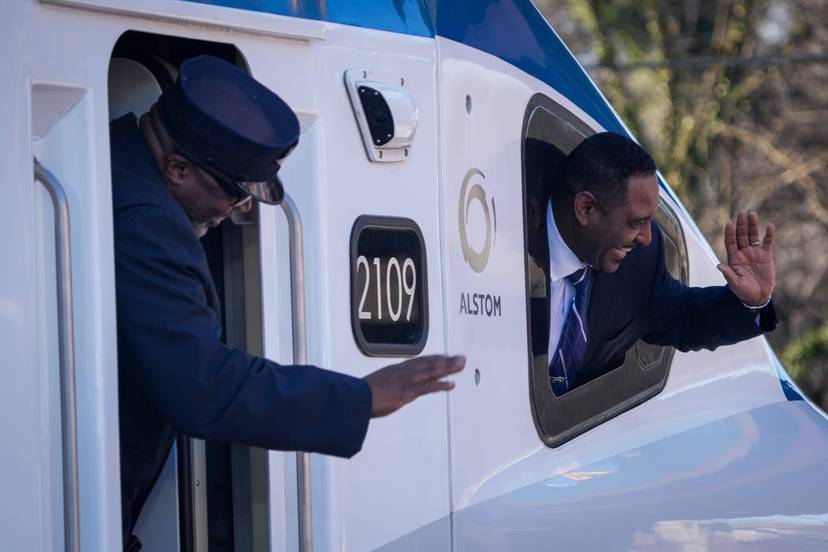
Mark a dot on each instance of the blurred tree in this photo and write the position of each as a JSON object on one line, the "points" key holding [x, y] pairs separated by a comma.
{"points": [[731, 98], [807, 361]]}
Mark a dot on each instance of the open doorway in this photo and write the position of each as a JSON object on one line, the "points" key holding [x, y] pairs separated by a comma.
{"points": [[207, 497]]}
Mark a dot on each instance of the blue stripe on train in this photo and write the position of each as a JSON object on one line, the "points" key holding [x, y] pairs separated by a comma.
{"points": [[517, 33]]}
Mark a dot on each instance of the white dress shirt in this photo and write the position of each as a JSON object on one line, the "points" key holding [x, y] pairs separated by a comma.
{"points": [[562, 263]]}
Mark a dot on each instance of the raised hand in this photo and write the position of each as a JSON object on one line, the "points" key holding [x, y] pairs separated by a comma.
{"points": [[749, 271], [397, 385]]}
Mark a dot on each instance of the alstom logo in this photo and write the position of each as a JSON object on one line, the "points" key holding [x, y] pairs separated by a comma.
{"points": [[469, 194], [473, 193]]}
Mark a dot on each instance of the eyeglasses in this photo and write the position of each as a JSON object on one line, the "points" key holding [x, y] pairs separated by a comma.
{"points": [[228, 186], [267, 191]]}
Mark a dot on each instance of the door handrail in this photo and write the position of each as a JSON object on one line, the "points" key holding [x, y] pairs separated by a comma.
{"points": [[300, 356], [66, 340]]}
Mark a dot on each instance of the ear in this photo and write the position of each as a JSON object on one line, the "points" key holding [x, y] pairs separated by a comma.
{"points": [[585, 206], [177, 169]]}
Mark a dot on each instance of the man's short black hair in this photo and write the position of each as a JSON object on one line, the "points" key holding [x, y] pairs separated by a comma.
{"points": [[602, 165]]}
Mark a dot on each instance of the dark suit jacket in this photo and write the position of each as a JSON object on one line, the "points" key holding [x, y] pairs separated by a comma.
{"points": [[642, 300], [175, 374]]}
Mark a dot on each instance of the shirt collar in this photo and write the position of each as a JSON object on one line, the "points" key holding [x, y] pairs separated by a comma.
{"points": [[562, 261]]}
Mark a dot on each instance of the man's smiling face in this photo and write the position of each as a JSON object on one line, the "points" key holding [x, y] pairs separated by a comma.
{"points": [[610, 235]]}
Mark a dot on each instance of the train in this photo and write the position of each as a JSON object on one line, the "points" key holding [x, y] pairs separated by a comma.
{"points": [[386, 246]]}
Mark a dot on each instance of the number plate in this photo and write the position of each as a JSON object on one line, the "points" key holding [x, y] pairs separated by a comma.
{"points": [[389, 297]]}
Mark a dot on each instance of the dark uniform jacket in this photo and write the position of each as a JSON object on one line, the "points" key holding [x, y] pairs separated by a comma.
{"points": [[175, 374], [641, 300]]}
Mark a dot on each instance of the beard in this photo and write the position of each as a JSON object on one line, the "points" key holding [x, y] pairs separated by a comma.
{"points": [[198, 219], [200, 230]]}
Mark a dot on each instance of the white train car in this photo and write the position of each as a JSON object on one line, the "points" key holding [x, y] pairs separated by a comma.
{"points": [[416, 244]]}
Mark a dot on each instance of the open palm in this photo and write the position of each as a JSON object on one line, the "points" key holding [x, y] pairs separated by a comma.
{"points": [[749, 270]]}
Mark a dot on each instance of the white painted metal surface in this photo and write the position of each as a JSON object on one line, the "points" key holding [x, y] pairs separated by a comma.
{"points": [[212, 17], [410, 446], [50, 94]]}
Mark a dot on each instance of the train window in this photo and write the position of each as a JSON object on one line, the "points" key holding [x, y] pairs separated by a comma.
{"points": [[389, 299], [550, 132]]}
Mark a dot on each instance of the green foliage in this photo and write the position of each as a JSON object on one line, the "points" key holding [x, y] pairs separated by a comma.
{"points": [[800, 355]]}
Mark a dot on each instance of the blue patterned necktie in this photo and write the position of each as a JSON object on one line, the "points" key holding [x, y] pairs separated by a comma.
{"points": [[572, 344]]}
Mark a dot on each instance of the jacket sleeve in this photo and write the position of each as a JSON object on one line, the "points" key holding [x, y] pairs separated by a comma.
{"points": [[171, 340], [693, 318]]}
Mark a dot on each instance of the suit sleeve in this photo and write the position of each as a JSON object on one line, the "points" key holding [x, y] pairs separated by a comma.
{"points": [[693, 318], [202, 387]]}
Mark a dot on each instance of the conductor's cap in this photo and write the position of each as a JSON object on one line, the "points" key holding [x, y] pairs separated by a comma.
{"points": [[223, 119]]}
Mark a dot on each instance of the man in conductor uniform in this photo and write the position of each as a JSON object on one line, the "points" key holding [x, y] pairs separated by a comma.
{"points": [[214, 143]]}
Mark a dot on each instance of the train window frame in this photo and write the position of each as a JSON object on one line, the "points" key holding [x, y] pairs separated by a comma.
{"points": [[646, 368]]}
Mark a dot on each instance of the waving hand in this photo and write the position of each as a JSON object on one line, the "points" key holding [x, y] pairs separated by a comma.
{"points": [[749, 271]]}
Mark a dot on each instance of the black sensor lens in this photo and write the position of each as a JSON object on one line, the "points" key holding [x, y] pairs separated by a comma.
{"points": [[377, 114]]}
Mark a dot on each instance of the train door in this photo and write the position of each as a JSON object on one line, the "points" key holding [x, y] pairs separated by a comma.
{"points": [[483, 102], [295, 277], [372, 278], [509, 432], [216, 496]]}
